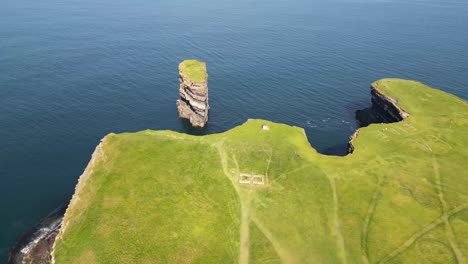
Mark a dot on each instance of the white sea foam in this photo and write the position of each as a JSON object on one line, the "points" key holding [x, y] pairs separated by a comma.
{"points": [[40, 234]]}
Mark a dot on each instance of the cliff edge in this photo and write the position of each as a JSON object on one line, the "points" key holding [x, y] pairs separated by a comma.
{"points": [[167, 197], [384, 109]]}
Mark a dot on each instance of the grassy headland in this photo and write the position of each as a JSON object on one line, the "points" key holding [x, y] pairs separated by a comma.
{"points": [[166, 197]]}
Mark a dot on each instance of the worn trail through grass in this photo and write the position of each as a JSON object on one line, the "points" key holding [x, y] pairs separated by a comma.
{"points": [[448, 227], [370, 214], [245, 206], [421, 233]]}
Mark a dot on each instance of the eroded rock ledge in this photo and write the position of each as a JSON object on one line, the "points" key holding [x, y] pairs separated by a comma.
{"points": [[193, 101], [384, 109]]}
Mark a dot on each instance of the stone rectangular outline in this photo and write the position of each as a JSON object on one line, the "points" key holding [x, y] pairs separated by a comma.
{"points": [[245, 178], [261, 177], [251, 179]]}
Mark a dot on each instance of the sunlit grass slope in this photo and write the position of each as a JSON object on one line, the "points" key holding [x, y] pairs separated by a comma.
{"points": [[165, 197]]}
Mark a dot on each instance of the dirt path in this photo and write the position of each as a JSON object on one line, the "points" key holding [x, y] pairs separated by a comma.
{"points": [[268, 166], [244, 233], [421, 233], [285, 255], [244, 250], [339, 236], [370, 214], [448, 227]]}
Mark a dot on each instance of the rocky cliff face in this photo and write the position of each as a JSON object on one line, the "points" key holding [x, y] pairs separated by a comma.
{"points": [[351, 139], [384, 109], [193, 101]]}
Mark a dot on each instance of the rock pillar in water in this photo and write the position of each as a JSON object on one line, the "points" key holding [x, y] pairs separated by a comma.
{"points": [[193, 101]]}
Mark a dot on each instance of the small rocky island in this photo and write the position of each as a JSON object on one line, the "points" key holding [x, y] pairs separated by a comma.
{"points": [[193, 101]]}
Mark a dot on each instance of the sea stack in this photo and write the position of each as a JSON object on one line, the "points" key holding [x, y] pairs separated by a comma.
{"points": [[193, 101]]}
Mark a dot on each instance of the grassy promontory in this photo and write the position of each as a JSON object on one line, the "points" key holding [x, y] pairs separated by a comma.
{"points": [[166, 197]]}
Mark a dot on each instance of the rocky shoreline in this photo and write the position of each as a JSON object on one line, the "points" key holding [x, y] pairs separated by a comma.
{"points": [[35, 246]]}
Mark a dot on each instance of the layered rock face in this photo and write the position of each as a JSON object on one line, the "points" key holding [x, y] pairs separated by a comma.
{"points": [[384, 109], [193, 101]]}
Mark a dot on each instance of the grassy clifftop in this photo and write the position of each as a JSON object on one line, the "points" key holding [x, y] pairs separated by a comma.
{"points": [[265, 196]]}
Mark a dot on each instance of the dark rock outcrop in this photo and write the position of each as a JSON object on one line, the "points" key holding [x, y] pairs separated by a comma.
{"points": [[35, 246], [193, 101], [384, 109], [351, 139]]}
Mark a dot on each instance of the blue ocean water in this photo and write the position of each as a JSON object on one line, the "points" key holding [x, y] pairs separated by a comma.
{"points": [[72, 71]]}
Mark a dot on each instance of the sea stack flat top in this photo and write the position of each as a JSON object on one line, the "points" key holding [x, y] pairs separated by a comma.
{"points": [[193, 70]]}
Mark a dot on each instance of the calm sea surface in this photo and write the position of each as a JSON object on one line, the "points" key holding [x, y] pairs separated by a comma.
{"points": [[72, 71]]}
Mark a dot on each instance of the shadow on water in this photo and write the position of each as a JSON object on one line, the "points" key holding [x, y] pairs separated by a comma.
{"points": [[196, 131], [336, 150]]}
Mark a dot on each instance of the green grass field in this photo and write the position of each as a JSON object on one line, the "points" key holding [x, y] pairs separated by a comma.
{"points": [[166, 197], [193, 70]]}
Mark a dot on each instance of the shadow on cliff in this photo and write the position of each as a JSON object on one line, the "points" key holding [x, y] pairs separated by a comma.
{"points": [[383, 110]]}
